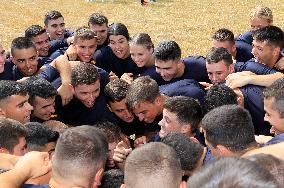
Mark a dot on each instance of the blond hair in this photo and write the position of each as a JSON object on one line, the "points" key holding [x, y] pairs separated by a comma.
{"points": [[262, 12]]}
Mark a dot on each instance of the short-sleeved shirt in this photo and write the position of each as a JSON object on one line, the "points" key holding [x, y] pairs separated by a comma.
{"points": [[254, 67], [245, 37], [7, 73], [275, 140], [243, 51]]}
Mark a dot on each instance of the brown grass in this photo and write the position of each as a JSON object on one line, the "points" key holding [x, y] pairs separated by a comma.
{"points": [[189, 22]]}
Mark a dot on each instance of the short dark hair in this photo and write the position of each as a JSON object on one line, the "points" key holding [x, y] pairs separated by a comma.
{"points": [[84, 33], [142, 39], [112, 178], [115, 90], [9, 88], [152, 165], [270, 34], [143, 89], [20, 43], [78, 149], [187, 110], [167, 50], [188, 152], [33, 31], [84, 73], [219, 95], [39, 87], [97, 19], [111, 130], [52, 15], [223, 35], [276, 92], [118, 29], [218, 54], [230, 126], [38, 135], [232, 172], [10, 132]]}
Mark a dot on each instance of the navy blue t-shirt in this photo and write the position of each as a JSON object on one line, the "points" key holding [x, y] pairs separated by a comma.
{"points": [[245, 37], [7, 73], [34, 186], [254, 67], [195, 68], [243, 51], [277, 139], [108, 61]]}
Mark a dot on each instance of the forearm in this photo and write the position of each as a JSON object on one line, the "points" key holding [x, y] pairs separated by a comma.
{"points": [[14, 178], [264, 80], [64, 69]]}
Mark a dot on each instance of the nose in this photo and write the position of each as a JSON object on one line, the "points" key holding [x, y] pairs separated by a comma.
{"points": [[253, 50], [141, 117], [161, 123], [29, 107], [51, 109]]}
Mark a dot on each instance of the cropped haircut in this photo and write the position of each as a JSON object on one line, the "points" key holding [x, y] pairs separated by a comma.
{"points": [[216, 55], [142, 89], [270, 34], [118, 29], [112, 178], [230, 126], [223, 35], [232, 172], [20, 43], [116, 90], [80, 151], [188, 152], [38, 135], [84, 73], [52, 15], [263, 13], [57, 126], [275, 92], [167, 51], [111, 130], [84, 33], [187, 110], [142, 39], [9, 88], [152, 165], [33, 31], [219, 95], [10, 132], [39, 87], [97, 19]]}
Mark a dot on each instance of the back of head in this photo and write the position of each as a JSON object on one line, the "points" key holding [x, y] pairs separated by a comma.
{"points": [[112, 179], [219, 95], [232, 172], [152, 165], [262, 12], [272, 35], [116, 90], [52, 15], [118, 29], [188, 152], [167, 51], [142, 39], [276, 93], [79, 154], [187, 110], [216, 55], [84, 33], [143, 89], [112, 131], [57, 126], [9, 88], [274, 165], [84, 73], [230, 126], [10, 132], [223, 35], [33, 31], [97, 19], [20, 43]]}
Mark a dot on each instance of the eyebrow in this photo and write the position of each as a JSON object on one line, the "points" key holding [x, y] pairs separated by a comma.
{"points": [[21, 103]]}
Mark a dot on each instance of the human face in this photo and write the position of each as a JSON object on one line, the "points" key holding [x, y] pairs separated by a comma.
{"points": [[273, 116], [85, 49], [263, 53], [18, 108], [231, 47], [44, 108], [110, 162], [120, 110], [257, 23], [42, 44], [20, 148], [140, 54], [217, 72], [101, 32], [167, 69], [26, 60], [146, 111], [2, 59], [87, 94], [169, 123], [56, 28], [119, 46]]}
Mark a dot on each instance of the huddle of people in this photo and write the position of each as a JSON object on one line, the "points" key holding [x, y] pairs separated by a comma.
{"points": [[99, 108]]}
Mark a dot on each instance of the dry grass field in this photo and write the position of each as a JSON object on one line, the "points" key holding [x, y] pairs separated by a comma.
{"points": [[189, 22]]}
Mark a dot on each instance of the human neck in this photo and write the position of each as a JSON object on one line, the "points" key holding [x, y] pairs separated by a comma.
{"points": [[180, 70]]}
